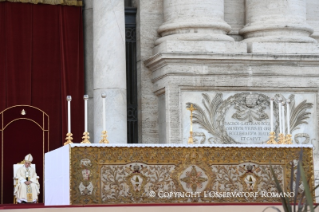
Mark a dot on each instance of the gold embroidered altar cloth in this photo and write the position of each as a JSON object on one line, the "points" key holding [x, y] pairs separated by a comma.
{"points": [[126, 174]]}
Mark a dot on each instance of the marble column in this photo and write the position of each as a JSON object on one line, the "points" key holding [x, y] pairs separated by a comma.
{"points": [[277, 21], [110, 69], [88, 62], [194, 20]]}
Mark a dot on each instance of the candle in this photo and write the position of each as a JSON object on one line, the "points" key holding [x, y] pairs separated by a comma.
{"points": [[279, 116], [288, 116], [283, 118], [85, 97], [103, 95], [69, 98], [271, 114]]}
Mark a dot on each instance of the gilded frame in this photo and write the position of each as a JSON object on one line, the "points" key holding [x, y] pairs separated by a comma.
{"points": [[43, 126]]}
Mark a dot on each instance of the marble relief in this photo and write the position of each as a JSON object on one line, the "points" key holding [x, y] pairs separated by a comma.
{"points": [[244, 117]]}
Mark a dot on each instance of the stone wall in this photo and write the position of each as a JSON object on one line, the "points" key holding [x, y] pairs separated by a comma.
{"points": [[149, 18]]}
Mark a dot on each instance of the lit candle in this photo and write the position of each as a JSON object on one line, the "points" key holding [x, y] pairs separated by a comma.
{"points": [[288, 116], [103, 95], [271, 114], [69, 98], [283, 118], [85, 97], [279, 117]]}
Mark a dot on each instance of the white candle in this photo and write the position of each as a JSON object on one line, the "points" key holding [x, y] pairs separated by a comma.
{"points": [[85, 97], [271, 114], [103, 95], [279, 117], [69, 98], [288, 116], [283, 118]]}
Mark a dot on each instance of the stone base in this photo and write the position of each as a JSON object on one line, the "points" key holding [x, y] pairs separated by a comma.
{"points": [[283, 48], [201, 46]]}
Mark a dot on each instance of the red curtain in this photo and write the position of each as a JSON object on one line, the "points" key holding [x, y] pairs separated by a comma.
{"points": [[41, 62]]}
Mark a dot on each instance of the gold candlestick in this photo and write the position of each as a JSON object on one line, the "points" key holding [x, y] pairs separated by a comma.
{"points": [[104, 138], [86, 138], [68, 139], [288, 139], [281, 138], [272, 138], [190, 139]]}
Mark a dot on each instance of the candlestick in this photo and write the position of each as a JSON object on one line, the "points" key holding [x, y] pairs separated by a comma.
{"points": [[272, 133], [271, 114], [104, 132], [103, 95], [288, 116], [69, 134], [86, 137], [69, 98], [281, 138], [283, 118], [288, 136], [190, 139], [279, 117], [85, 97]]}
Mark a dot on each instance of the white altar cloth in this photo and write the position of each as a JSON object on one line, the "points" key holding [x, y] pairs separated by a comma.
{"points": [[57, 177], [57, 165]]}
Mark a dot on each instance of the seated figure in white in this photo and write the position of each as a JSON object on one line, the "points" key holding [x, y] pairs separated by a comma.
{"points": [[27, 189]]}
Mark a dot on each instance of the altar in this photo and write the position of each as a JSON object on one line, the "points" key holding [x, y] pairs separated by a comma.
{"points": [[88, 174]]}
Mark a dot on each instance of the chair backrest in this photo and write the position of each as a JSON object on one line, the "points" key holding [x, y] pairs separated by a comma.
{"points": [[16, 167]]}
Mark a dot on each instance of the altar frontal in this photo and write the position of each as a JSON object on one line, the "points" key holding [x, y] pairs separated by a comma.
{"points": [[126, 174]]}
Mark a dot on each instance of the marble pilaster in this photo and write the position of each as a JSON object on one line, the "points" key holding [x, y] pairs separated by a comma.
{"points": [[88, 62], [277, 21], [194, 20], [110, 69]]}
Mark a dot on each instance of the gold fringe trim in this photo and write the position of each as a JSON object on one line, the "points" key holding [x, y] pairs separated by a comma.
{"points": [[51, 2]]}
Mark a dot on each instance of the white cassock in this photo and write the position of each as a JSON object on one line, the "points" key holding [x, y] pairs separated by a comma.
{"points": [[22, 189]]}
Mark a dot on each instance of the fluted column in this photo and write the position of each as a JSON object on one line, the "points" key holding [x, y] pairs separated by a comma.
{"points": [[194, 20], [277, 21], [110, 69]]}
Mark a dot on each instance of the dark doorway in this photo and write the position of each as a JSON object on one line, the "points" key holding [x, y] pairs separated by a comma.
{"points": [[131, 73]]}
